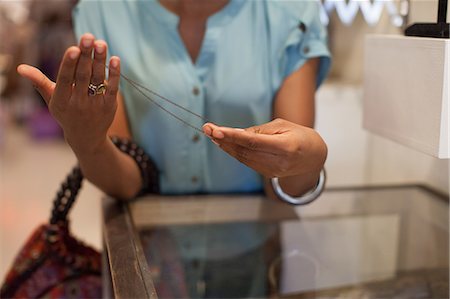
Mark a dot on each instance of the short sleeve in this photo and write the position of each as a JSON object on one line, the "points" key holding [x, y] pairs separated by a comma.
{"points": [[302, 37]]}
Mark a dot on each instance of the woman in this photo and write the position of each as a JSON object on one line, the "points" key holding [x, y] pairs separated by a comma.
{"points": [[239, 64], [269, 71]]}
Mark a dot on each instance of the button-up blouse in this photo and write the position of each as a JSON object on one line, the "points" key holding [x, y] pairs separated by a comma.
{"points": [[248, 49]]}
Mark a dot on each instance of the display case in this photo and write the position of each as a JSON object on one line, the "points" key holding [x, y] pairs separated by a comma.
{"points": [[366, 243]]}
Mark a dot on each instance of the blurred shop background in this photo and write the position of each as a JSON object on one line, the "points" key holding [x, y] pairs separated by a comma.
{"points": [[34, 158]]}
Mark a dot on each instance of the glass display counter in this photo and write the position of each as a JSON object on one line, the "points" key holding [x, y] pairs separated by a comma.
{"points": [[387, 242]]}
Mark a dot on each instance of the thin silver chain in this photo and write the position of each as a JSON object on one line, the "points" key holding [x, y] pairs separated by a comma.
{"points": [[139, 87]]}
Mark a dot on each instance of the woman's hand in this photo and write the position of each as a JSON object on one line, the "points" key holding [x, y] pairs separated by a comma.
{"points": [[84, 119], [276, 149]]}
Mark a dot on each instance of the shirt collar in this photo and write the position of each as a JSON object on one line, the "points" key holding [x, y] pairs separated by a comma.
{"points": [[220, 18]]}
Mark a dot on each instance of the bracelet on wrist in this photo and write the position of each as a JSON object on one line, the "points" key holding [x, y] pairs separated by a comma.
{"points": [[301, 200], [147, 168]]}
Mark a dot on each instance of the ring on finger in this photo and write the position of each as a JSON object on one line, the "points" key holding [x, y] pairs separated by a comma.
{"points": [[99, 89]]}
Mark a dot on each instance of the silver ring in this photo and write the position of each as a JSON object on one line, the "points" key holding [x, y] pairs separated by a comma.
{"points": [[94, 90]]}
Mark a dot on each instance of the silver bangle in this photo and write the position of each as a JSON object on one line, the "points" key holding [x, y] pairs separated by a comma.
{"points": [[304, 199]]}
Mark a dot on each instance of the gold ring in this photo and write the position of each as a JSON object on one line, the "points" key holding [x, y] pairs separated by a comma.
{"points": [[94, 90]]}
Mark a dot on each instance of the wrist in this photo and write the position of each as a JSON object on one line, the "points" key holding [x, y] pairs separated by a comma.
{"points": [[298, 184], [88, 148]]}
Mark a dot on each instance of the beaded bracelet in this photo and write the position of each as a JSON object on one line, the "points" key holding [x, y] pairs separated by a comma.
{"points": [[149, 172], [69, 189]]}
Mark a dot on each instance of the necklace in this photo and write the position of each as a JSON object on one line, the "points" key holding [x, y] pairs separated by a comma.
{"points": [[141, 88]]}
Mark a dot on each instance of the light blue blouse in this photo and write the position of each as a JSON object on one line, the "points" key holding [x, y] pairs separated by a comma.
{"points": [[249, 48]]}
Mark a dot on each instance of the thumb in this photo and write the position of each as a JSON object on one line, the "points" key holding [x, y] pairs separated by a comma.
{"points": [[43, 84]]}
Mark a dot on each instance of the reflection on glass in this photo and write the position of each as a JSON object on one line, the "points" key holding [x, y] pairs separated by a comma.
{"points": [[383, 243]]}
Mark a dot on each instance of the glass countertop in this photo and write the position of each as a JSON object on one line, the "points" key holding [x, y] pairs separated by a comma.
{"points": [[369, 243]]}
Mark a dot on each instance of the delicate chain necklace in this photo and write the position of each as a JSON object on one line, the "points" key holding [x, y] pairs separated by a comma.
{"points": [[139, 87]]}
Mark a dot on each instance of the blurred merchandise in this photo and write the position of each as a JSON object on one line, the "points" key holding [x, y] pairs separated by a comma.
{"points": [[42, 125], [36, 33]]}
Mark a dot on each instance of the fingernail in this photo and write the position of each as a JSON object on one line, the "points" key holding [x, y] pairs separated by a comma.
{"points": [[74, 54], [215, 142], [114, 63], [87, 42], [99, 49], [239, 129]]}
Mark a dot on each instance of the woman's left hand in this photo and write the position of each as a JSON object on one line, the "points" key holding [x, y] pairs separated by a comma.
{"points": [[276, 149]]}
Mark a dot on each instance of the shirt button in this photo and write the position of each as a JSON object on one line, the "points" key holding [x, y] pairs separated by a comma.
{"points": [[195, 91], [306, 50], [302, 26], [195, 138], [194, 179]]}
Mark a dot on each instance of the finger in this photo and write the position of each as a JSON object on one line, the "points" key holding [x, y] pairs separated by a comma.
{"points": [[98, 67], [65, 79], [113, 79], [44, 85], [264, 163], [249, 139], [84, 68], [212, 130], [262, 142], [207, 130], [246, 154], [276, 126]]}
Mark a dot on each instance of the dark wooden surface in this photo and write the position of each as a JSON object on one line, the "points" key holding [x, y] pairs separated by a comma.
{"points": [[129, 272], [161, 210]]}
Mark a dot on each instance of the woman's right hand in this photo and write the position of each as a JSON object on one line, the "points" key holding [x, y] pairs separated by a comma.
{"points": [[84, 119]]}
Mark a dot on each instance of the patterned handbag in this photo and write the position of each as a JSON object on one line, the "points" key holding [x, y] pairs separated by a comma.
{"points": [[52, 263]]}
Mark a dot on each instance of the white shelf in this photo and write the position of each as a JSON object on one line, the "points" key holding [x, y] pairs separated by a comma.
{"points": [[406, 91]]}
